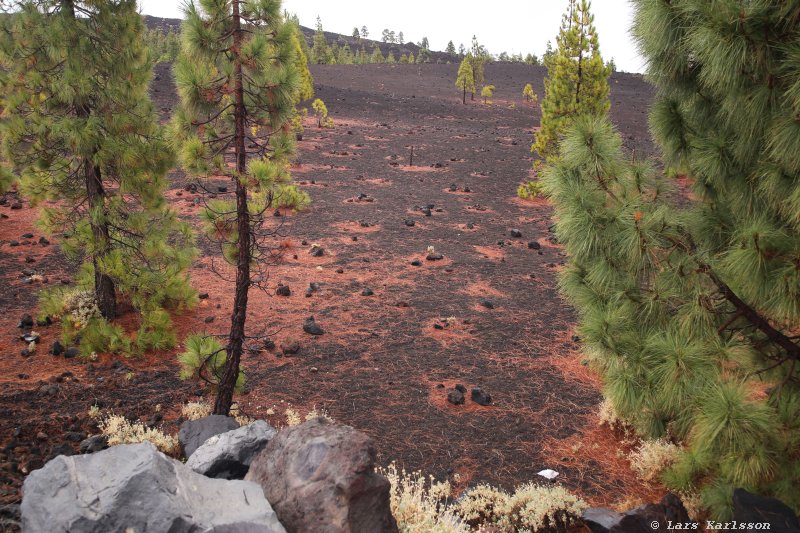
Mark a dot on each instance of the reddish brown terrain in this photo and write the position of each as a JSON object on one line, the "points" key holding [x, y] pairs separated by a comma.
{"points": [[382, 365]]}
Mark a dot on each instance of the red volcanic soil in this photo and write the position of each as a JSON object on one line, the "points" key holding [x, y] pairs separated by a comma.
{"points": [[382, 366]]}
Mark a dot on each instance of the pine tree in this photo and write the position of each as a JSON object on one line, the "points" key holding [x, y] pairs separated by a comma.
{"points": [[400, 38], [692, 313], [305, 90], [356, 34], [377, 56], [78, 128], [390, 59], [577, 79], [364, 32], [464, 79], [478, 57], [403, 59], [320, 53], [345, 55], [237, 84], [528, 93], [451, 49]]}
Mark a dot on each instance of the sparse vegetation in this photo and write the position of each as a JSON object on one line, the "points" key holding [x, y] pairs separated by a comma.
{"points": [[529, 95], [465, 80], [118, 430], [486, 93], [321, 111]]}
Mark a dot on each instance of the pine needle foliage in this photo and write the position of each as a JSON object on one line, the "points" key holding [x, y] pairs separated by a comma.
{"points": [[78, 128], [576, 82], [465, 79], [237, 79], [693, 348]]}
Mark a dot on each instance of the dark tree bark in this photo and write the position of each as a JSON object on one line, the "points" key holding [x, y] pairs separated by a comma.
{"points": [[227, 382], [104, 291]]}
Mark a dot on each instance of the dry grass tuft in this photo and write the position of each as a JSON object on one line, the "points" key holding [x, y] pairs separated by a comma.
{"points": [[652, 457], [118, 430]]}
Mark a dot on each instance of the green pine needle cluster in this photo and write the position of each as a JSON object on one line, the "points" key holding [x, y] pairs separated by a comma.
{"points": [[657, 299]]}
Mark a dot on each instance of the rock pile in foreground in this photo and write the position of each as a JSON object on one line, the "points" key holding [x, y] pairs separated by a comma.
{"points": [[320, 474]]}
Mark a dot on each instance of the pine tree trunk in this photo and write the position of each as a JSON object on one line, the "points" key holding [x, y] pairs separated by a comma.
{"points": [[227, 382], [104, 291], [580, 63], [464, 98]]}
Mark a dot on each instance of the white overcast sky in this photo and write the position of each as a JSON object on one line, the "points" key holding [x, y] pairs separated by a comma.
{"points": [[513, 26]]}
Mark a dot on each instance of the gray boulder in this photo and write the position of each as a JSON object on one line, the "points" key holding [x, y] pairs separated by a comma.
{"points": [[194, 433], [228, 455], [320, 477], [134, 487]]}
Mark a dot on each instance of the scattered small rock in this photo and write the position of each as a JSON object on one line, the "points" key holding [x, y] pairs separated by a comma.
{"points": [[312, 328], [71, 353], [481, 397], [209, 319], [416, 263], [410, 223], [533, 245], [367, 292], [283, 290], [434, 257], [456, 397], [203, 295], [461, 388], [290, 347], [25, 322], [487, 304]]}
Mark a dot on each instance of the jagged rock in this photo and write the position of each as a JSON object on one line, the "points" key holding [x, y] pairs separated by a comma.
{"points": [[748, 507], [638, 520], [320, 476], [366, 291], [487, 304], [194, 433], [283, 290], [134, 487], [515, 233], [228, 455], [533, 245]]}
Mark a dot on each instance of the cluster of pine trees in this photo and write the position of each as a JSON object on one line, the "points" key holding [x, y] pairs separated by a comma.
{"points": [[690, 310], [81, 139]]}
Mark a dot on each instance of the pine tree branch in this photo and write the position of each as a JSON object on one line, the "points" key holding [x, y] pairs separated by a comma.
{"points": [[762, 324]]}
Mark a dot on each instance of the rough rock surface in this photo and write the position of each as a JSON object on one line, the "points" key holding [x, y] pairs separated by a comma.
{"points": [[752, 508], [194, 433], [320, 477], [134, 487], [228, 455]]}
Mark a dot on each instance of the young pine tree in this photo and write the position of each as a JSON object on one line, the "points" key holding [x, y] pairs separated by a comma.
{"points": [[528, 94], [464, 79], [320, 53], [692, 314], [305, 90], [237, 82], [451, 49], [478, 57], [78, 128], [576, 82]]}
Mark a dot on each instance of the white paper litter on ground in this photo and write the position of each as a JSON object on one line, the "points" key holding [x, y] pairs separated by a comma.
{"points": [[549, 474]]}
